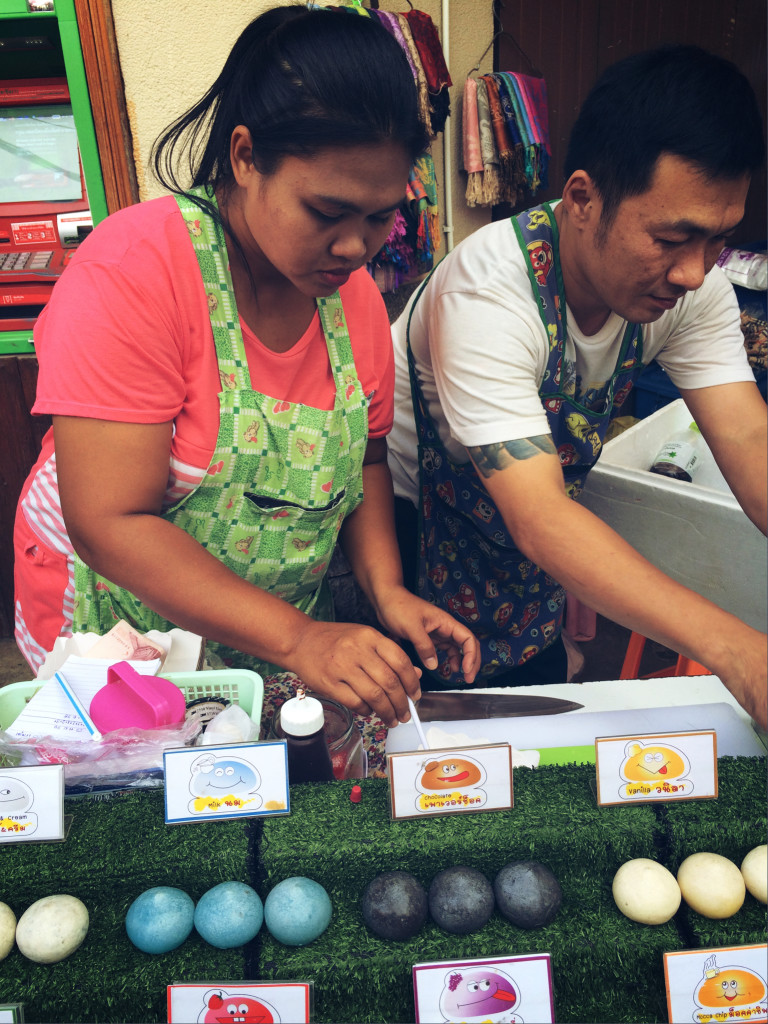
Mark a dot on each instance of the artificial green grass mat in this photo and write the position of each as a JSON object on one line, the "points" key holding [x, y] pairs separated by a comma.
{"points": [[122, 844], [108, 979], [363, 978], [554, 820], [605, 967]]}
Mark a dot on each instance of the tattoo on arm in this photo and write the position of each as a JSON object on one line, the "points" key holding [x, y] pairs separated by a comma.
{"points": [[492, 457]]}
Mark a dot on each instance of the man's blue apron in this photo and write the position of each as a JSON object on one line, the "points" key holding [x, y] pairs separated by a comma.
{"points": [[468, 562]]}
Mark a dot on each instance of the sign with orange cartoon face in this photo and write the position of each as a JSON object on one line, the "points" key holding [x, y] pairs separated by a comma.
{"points": [[644, 769], [458, 779], [717, 985]]}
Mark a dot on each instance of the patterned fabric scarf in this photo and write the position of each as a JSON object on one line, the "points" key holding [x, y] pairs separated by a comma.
{"points": [[473, 161], [490, 157]]}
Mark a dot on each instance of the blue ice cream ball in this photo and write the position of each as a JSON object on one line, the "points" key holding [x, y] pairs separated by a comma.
{"points": [[160, 919], [297, 911], [228, 915]]}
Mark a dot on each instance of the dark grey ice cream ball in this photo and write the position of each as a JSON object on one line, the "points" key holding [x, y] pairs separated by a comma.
{"points": [[395, 905], [527, 893], [460, 899]]}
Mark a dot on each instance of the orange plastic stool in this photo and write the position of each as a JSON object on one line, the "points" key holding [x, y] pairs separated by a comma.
{"points": [[631, 666]]}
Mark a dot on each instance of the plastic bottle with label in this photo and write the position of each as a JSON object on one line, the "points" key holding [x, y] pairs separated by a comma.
{"points": [[679, 455], [302, 719]]}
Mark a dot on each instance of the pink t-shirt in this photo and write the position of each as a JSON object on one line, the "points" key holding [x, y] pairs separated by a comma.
{"points": [[126, 337]]}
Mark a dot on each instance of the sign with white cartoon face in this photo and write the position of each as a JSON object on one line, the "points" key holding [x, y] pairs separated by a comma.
{"points": [[709, 986], [501, 990], [228, 781], [457, 779], [645, 769], [249, 1002], [32, 803]]}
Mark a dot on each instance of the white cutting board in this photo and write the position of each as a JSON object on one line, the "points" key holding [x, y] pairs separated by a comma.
{"points": [[735, 737]]}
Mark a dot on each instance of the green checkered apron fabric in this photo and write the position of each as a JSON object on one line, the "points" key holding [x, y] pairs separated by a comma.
{"points": [[282, 478]]}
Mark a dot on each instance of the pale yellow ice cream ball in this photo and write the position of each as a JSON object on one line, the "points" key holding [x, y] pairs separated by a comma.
{"points": [[711, 885], [754, 869], [645, 891]]}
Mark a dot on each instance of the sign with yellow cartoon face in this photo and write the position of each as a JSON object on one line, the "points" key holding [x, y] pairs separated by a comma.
{"points": [[717, 985], [641, 769]]}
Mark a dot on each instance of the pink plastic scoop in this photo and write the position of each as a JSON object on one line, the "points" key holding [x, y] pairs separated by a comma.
{"points": [[132, 700]]}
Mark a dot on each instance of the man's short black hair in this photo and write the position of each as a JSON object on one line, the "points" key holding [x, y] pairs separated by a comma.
{"points": [[679, 100]]}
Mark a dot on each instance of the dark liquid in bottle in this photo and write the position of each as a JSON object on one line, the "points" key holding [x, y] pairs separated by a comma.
{"points": [[667, 469], [309, 759]]}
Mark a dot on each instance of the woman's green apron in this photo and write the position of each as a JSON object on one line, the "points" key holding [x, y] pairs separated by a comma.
{"points": [[282, 478]]}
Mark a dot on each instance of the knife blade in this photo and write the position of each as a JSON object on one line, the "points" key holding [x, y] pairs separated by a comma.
{"points": [[441, 706]]}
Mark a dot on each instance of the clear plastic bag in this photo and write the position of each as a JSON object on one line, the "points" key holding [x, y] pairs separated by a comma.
{"points": [[122, 759]]}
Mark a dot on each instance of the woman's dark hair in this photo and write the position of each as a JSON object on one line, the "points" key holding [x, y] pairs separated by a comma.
{"points": [[679, 100], [300, 81]]}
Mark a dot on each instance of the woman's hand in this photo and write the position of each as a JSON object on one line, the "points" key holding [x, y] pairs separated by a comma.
{"points": [[429, 629], [357, 666]]}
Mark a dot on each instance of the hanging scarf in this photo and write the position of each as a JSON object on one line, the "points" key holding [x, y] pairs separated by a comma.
{"points": [[534, 93], [430, 52], [421, 78], [490, 157], [421, 193], [392, 25], [527, 165], [508, 172], [473, 161]]}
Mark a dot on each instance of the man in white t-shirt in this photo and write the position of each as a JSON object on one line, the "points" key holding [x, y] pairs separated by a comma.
{"points": [[525, 342]]}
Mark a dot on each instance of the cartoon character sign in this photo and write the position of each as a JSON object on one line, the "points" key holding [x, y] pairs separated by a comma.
{"points": [[653, 769], [450, 781], [480, 994], [540, 255], [729, 993], [231, 1007], [16, 798], [221, 782]]}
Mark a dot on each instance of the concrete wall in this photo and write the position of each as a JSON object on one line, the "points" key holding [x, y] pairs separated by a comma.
{"points": [[172, 50]]}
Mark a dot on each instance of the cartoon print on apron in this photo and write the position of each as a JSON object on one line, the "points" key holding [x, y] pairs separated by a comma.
{"points": [[282, 478], [468, 562]]}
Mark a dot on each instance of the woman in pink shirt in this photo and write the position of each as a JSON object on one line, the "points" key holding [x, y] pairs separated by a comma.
{"points": [[218, 366]]}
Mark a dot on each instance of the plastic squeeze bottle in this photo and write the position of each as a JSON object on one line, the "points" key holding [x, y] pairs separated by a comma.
{"points": [[303, 721], [679, 455]]}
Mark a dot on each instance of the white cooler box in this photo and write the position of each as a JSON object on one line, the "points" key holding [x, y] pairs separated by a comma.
{"points": [[695, 532]]}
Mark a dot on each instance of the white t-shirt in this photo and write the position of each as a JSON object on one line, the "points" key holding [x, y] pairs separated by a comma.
{"points": [[481, 350]]}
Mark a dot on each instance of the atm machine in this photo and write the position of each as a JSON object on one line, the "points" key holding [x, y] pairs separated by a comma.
{"points": [[51, 193], [51, 188]]}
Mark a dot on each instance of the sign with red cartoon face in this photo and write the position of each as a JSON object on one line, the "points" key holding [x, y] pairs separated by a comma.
{"points": [[241, 1002]]}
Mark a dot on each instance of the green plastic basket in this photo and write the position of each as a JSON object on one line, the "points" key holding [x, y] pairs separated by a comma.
{"points": [[239, 686]]}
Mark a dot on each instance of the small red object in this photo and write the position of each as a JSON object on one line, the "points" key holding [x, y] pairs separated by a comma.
{"points": [[356, 795]]}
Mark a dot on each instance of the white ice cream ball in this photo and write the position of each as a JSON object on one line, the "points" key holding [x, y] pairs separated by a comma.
{"points": [[711, 885], [52, 928], [754, 870], [7, 930], [646, 891]]}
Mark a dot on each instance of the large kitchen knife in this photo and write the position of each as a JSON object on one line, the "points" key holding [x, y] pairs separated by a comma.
{"points": [[441, 706]]}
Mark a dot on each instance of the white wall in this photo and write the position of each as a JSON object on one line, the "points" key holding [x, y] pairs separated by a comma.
{"points": [[172, 50]]}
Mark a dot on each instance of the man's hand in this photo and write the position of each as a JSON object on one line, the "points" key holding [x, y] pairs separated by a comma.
{"points": [[429, 629]]}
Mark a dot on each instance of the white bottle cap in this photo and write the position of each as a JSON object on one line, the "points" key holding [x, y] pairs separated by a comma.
{"points": [[302, 715]]}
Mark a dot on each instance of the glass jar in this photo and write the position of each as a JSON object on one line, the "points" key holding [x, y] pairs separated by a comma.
{"points": [[344, 739]]}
